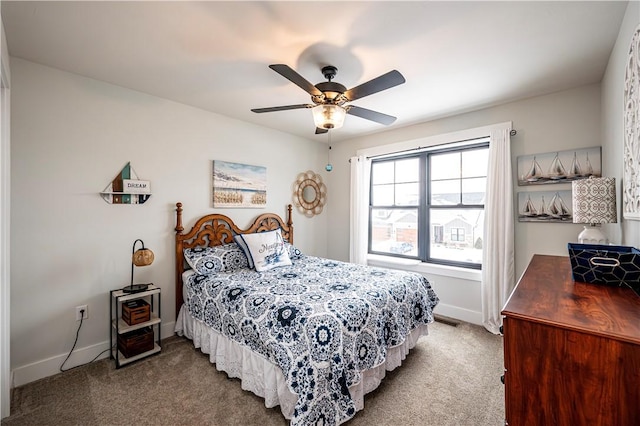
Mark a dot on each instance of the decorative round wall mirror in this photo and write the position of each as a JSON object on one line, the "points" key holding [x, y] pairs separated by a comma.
{"points": [[309, 193]]}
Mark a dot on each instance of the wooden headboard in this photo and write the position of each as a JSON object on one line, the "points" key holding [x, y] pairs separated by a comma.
{"points": [[217, 229]]}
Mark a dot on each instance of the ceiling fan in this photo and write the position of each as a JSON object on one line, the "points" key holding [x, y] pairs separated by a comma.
{"points": [[330, 99]]}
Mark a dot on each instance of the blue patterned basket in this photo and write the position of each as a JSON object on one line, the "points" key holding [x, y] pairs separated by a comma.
{"points": [[608, 265]]}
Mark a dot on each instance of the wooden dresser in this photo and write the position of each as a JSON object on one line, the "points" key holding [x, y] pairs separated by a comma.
{"points": [[571, 350]]}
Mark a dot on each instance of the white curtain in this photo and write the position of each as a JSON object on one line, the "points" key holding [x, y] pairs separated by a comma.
{"points": [[359, 217], [497, 256]]}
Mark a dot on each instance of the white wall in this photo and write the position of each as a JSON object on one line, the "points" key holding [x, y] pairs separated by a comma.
{"points": [[626, 232], [560, 121], [70, 137]]}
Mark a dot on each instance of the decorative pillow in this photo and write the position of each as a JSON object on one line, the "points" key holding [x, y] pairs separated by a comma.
{"points": [[266, 249], [294, 252], [243, 246], [209, 260]]}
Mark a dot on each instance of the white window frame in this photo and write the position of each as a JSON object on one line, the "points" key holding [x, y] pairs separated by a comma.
{"points": [[415, 144], [424, 206]]}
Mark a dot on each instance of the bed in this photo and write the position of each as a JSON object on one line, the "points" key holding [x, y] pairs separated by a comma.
{"points": [[309, 334]]}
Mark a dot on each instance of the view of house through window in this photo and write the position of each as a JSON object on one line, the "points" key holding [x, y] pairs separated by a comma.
{"points": [[429, 205]]}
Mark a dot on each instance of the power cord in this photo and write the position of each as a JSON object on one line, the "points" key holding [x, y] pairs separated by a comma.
{"points": [[62, 369]]}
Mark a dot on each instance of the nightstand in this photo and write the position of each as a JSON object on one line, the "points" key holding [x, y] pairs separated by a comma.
{"points": [[138, 336]]}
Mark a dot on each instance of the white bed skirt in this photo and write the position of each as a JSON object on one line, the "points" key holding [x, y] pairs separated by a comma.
{"points": [[265, 379]]}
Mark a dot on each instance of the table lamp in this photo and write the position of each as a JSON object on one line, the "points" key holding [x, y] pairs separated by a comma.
{"points": [[141, 257], [594, 202]]}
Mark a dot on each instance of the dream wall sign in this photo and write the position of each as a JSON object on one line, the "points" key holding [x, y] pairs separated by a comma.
{"points": [[126, 188]]}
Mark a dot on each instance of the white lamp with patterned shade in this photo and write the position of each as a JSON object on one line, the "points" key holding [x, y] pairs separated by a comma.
{"points": [[594, 202]]}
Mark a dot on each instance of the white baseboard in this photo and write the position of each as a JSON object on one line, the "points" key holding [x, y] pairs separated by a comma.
{"points": [[166, 329], [48, 367], [458, 313]]}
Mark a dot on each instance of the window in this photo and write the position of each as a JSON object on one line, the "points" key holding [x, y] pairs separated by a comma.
{"points": [[457, 234], [429, 205]]}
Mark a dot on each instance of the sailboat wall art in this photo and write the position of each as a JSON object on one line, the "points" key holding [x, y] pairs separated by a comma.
{"points": [[560, 166], [545, 206]]}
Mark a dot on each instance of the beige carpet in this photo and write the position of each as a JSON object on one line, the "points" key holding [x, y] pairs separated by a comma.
{"points": [[451, 377]]}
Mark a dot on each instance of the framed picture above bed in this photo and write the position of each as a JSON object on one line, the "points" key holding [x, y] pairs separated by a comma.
{"points": [[238, 185]]}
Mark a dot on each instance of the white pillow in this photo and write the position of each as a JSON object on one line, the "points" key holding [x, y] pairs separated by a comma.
{"points": [[266, 249]]}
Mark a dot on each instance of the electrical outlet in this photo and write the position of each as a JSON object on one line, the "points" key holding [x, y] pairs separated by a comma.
{"points": [[80, 315]]}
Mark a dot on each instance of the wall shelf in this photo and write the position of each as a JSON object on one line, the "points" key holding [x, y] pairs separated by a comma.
{"points": [[116, 193]]}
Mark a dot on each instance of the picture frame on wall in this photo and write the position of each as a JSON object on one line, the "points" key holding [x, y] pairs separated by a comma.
{"points": [[545, 206], [559, 166], [239, 185]]}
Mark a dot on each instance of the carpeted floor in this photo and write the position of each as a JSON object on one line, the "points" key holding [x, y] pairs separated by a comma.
{"points": [[451, 377]]}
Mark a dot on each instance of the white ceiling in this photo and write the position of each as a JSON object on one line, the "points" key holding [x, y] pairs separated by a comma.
{"points": [[455, 56]]}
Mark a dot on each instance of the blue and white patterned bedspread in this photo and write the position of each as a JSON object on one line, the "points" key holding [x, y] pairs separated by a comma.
{"points": [[321, 321]]}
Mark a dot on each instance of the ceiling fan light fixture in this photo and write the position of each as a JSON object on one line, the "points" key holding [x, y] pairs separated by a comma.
{"points": [[332, 101], [328, 116]]}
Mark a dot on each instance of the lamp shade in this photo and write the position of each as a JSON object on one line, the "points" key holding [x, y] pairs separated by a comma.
{"points": [[594, 200], [328, 116], [142, 257]]}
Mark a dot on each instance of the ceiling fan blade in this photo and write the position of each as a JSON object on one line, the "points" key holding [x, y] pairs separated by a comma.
{"points": [[282, 108], [287, 72], [320, 130], [368, 114], [378, 84]]}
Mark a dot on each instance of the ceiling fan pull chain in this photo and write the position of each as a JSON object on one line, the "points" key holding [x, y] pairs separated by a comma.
{"points": [[329, 166]]}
